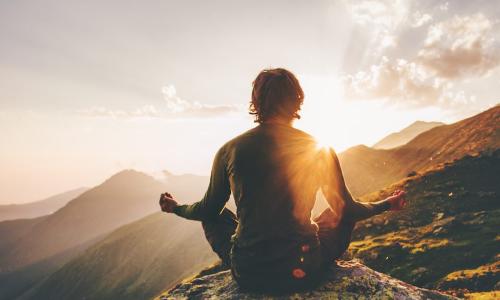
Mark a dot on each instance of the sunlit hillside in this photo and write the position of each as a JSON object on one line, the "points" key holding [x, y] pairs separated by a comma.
{"points": [[31, 249], [367, 170], [447, 237], [407, 134], [136, 261], [64, 254]]}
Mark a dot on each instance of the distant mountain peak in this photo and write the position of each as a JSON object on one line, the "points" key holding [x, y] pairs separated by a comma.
{"points": [[408, 133], [420, 122], [167, 173], [128, 175]]}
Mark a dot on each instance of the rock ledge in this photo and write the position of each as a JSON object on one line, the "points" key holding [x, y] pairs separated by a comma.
{"points": [[346, 280]]}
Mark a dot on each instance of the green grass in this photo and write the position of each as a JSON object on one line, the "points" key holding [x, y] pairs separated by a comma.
{"points": [[450, 227]]}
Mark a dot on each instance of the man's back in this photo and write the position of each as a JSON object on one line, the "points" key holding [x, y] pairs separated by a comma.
{"points": [[274, 176]]}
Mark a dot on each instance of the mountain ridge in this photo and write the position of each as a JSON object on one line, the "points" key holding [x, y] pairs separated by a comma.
{"points": [[372, 162], [38, 208], [405, 135], [124, 197], [367, 170], [452, 215]]}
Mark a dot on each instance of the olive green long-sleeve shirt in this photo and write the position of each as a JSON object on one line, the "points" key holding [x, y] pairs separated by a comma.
{"points": [[274, 172]]}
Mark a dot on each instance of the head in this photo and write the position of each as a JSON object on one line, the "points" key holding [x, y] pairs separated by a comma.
{"points": [[276, 95]]}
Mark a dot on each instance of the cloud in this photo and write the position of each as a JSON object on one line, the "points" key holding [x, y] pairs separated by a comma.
{"points": [[456, 49], [147, 111], [178, 106], [444, 6], [174, 108], [461, 47], [385, 13], [420, 19], [382, 17], [403, 83], [400, 81]]}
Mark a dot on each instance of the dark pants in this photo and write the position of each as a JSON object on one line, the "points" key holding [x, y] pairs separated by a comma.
{"points": [[334, 237]]}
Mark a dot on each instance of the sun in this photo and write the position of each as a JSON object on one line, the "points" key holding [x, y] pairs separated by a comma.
{"points": [[339, 123], [320, 112], [323, 142]]}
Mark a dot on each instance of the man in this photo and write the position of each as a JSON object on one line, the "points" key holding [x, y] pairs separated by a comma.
{"points": [[274, 172]]}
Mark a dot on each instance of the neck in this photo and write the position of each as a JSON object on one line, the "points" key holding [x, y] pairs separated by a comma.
{"points": [[279, 121]]}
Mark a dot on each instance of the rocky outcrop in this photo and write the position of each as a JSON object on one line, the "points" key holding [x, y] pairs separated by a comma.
{"points": [[346, 280]]}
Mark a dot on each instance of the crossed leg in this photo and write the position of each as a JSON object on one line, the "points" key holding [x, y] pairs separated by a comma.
{"points": [[334, 237], [218, 232]]}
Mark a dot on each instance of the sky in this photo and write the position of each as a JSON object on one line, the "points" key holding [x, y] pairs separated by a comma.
{"points": [[89, 88]]}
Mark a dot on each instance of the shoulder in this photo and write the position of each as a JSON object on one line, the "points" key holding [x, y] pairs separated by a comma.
{"points": [[303, 134], [242, 137], [237, 140]]}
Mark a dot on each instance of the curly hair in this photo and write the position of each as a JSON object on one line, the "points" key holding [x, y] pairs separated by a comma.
{"points": [[276, 93]]}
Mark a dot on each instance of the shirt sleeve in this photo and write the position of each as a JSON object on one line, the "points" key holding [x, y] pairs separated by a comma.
{"points": [[215, 198], [337, 192]]}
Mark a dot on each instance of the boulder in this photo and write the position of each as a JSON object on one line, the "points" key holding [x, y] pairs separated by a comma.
{"points": [[345, 280]]}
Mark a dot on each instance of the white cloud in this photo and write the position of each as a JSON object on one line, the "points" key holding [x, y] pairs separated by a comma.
{"points": [[403, 83], [461, 47], [420, 19], [174, 108], [382, 18], [400, 81], [147, 111], [177, 105], [385, 13], [444, 6]]}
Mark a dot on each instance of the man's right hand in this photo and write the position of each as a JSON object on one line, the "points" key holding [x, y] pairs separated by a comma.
{"points": [[167, 203], [397, 200]]}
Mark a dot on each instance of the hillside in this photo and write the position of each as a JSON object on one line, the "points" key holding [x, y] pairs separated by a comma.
{"points": [[346, 280], [367, 169], [33, 248], [137, 261], [132, 258], [143, 258], [447, 237], [38, 208], [402, 137], [124, 197]]}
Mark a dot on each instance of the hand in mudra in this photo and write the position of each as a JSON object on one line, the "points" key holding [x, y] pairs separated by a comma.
{"points": [[167, 202], [397, 200]]}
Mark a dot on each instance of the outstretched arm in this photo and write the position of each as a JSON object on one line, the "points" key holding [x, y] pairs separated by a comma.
{"points": [[214, 200], [337, 192]]}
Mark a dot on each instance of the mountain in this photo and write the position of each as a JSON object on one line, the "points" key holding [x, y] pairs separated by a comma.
{"points": [[38, 208], [347, 280], [402, 137], [137, 261], [367, 169], [447, 236], [131, 259], [124, 197], [32, 249]]}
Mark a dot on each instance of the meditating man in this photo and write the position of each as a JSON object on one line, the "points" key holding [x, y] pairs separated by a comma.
{"points": [[274, 172]]}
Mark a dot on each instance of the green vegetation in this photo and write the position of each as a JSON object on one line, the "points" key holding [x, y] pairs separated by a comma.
{"points": [[447, 238]]}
